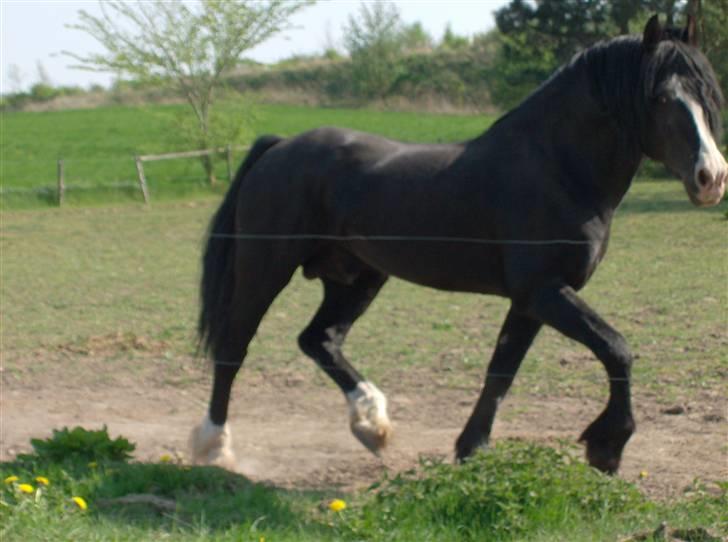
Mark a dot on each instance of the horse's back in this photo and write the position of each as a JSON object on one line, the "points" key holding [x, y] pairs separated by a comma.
{"points": [[327, 176]]}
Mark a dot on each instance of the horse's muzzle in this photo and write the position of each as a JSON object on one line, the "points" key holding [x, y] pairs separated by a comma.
{"points": [[709, 186]]}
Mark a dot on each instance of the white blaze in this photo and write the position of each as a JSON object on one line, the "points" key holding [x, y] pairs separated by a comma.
{"points": [[710, 158]]}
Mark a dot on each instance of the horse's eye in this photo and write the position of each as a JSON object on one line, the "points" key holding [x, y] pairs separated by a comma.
{"points": [[662, 99]]}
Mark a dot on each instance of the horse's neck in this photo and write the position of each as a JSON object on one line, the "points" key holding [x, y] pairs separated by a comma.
{"points": [[595, 155]]}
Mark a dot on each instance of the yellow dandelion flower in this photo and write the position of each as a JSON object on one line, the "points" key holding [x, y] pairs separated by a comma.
{"points": [[337, 505], [262, 539], [11, 479], [644, 474], [165, 458], [80, 502], [26, 488], [42, 480]]}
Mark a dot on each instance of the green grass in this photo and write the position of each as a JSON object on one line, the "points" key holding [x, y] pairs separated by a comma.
{"points": [[118, 283], [98, 147], [516, 491], [72, 276]]}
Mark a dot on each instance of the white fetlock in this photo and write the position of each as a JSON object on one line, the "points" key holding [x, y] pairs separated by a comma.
{"points": [[368, 416], [211, 444]]}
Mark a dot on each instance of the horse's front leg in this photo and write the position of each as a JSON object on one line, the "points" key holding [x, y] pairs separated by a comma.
{"points": [[515, 338], [560, 307]]}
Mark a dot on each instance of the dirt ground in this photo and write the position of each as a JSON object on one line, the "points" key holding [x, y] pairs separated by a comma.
{"points": [[291, 428]]}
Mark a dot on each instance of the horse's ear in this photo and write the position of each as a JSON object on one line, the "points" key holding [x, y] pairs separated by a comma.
{"points": [[690, 34], [652, 35]]}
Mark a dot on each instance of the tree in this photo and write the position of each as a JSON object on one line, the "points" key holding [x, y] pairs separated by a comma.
{"points": [[451, 41], [16, 78], [189, 46], [414, 38], [43, 77], [538, 36], [713, 31], [562, 26], [373, 40]]}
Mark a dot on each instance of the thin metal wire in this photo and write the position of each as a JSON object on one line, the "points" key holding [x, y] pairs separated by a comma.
{"points": [[399, 238], [96, 186], [488, 375]]}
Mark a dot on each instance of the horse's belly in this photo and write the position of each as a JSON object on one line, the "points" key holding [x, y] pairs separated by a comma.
{"points": [[445, 265]]}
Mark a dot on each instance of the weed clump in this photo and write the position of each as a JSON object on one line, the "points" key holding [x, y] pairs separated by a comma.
{"points": [[513, 489], [81, 445]]}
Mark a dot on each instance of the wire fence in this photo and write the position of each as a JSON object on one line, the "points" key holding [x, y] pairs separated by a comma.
{"points": [[23, 177], [132, 185]]}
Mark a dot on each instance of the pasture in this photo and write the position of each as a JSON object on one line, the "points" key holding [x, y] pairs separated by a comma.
{"points": [[98, 147], [98, 315]]}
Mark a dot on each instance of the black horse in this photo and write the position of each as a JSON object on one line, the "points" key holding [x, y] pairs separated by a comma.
{"points": [[522, 211]]}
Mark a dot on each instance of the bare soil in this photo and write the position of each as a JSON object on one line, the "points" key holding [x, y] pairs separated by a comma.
{"points": [[290, 427]]}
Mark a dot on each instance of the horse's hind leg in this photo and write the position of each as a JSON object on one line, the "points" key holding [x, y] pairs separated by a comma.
{"points": [[256, 286], [322, 340]]}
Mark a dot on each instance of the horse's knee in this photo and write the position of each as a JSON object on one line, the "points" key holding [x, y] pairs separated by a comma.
{"points": [[368, 416], [311, 342], [211, 444], [616, 356]]}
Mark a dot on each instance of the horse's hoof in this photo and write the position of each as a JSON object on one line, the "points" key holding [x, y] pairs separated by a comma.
{"points": [[374, 438], [368, 416], [211, 444], [466, 447], [605, 442], [600, 455]]}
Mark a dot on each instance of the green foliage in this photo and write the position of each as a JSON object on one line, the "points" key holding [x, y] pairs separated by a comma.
{"points": [[513, 489], [207, 503], [564, 27], [538, 37], [229, 123], [452, 41], [41, 92], [98, 147], [373, 40], [713, 27], [81, 445], [414, 37], [190, 47], [38, 93], [518, 69]]}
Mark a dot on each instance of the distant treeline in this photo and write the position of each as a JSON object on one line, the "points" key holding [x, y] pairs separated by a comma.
{"points": [[459, 78], [389, 63]]}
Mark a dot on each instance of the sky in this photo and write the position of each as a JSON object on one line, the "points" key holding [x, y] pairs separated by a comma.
{"points": [[33, 31]]}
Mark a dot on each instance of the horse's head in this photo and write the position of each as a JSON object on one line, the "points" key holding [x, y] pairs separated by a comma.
{"points": [[682, 101]]}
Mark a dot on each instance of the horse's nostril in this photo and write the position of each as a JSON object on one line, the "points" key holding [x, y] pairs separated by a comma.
{"points": [[704, 178]]}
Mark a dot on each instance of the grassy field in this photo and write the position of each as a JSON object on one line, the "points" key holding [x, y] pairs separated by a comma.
{"points": [[515, 492], [134, 270], [98, 147], [75, 278]]}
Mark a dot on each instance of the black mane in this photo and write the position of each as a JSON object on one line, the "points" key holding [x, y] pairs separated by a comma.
{"points": [[624, 79]]}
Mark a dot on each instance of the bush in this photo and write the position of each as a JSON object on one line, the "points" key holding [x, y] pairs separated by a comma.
{"points": [[81, 445], [513, 488]]}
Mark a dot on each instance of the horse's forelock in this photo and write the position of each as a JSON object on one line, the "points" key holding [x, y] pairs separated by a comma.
{"points": [[674, 58]]}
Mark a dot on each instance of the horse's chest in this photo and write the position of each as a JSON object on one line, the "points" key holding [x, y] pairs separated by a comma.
{"points": [[581, 267]]}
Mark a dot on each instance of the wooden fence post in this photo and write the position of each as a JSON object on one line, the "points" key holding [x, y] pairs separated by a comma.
{"points": [[229, 156], [142, 179], [61, 182]]}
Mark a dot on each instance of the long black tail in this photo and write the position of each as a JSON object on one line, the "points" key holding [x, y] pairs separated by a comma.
{"points": [[218, 274]]}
